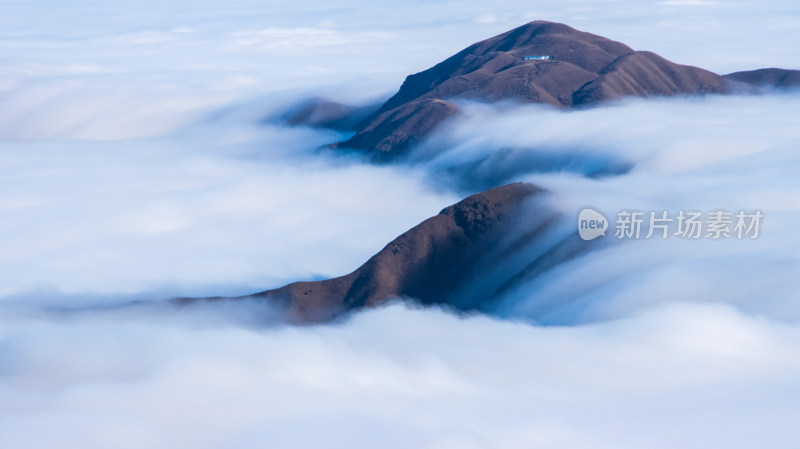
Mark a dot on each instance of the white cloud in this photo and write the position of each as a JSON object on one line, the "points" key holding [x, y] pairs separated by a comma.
{"points": [[125, 216], [683, 375]]}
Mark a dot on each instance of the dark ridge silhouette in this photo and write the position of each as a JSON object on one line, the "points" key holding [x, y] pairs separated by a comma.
{"points": [[780, 78], [321, 113], [458, 258]]}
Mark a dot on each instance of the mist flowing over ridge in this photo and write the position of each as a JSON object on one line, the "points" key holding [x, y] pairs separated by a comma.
{"points": [[430, 263], [146, 153]]}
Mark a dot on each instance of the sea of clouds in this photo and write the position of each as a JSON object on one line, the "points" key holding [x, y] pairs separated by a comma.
{"points": [[140, 159]]}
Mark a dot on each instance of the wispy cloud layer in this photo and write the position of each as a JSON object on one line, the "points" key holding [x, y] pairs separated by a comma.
{"points": [[136, 162], [692, 376]]}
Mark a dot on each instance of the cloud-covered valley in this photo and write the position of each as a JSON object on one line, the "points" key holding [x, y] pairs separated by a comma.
{"points": [[142, 157]]}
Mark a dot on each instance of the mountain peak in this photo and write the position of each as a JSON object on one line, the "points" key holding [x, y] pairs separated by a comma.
{"points": [[462, 73], [539, 62], [561, 41]]}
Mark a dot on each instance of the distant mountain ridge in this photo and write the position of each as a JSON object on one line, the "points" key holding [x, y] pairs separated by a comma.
{"points": [[586, 69], [772, 77]]}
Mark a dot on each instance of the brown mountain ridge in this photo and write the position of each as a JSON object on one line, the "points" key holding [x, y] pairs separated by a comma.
{"points": [[464, 258], [585, 69]]}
